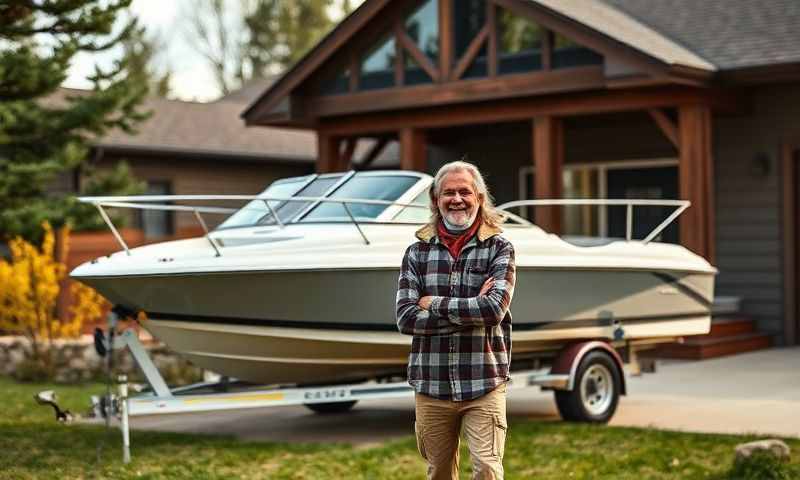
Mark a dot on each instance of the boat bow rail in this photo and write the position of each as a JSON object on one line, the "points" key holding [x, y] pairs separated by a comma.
{"points": [[629, 204], [148, 202]]}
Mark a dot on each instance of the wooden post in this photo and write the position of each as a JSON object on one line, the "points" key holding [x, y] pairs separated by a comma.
{"points": [[446, 47], [346, 157], [548, 158], [491, 54], [399, 58], [328, 156], [695, 169], [413, 155]]}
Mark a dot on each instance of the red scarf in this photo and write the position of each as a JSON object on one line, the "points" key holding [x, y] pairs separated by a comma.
{"points": [[455, 242]]}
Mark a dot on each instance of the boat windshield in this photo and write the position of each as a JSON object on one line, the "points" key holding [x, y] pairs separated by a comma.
{"points": [[256, 212], [373, 187], [416, 215]]}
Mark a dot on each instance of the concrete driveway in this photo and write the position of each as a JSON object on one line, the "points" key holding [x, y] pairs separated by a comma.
{"points": [[755, 392]]}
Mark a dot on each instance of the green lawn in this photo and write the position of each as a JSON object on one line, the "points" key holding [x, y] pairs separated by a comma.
{"points": [[34, 446]]}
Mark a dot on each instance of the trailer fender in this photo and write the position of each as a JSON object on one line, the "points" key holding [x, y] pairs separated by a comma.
{"points": [[568, 359]]}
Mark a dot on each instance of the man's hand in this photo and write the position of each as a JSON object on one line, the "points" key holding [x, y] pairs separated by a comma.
{"points": [[487, 285], [425, 302]]}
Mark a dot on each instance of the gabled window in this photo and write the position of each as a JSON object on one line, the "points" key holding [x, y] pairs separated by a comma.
{"points": [[422, 26], [338, 84], [487, 40], [567, 53], [519, 43], [414, 73], [469, 18], [377, 69]]}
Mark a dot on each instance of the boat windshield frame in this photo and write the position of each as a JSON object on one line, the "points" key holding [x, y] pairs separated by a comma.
{"points": [[387, 216], [145, 202]]}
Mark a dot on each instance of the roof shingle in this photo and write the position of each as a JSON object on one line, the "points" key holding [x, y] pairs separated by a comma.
{"points": [[731, 34]]}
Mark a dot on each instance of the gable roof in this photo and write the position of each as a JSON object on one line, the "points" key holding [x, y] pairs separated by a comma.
{"points": [[624, 28], [730, 34], [321, 52], [707, 36], [176, 126], [250, 90], [211, 128]]}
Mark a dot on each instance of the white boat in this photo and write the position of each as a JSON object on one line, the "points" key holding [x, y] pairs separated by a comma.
{"points": [[298, 286]]}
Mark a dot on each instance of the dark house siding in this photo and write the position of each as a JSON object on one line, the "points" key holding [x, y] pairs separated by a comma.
{"points": [[748, 203]]}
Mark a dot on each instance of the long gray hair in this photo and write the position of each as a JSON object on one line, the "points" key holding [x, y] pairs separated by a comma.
{"points": [[489, 215]]}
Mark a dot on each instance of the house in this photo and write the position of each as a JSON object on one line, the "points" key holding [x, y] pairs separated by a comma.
{"points": [[688, 99]]}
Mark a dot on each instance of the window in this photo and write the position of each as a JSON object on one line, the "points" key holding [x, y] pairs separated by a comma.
{"points": [[157, 223], [628, 179], [580, 183], [373, 187], [519, 43], [423, 27], [567, 53], [338, 84], [469, 17], [377, 69], [256, 211], [415, 74]]}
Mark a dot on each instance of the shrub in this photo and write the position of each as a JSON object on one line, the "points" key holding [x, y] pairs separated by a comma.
{"points": [[763, 466], [30, 283]]}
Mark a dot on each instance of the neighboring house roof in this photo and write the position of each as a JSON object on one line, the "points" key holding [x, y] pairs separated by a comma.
{"points": [[626, 29], [250, 90], [730, 34], [215, 129], [211, 128]]}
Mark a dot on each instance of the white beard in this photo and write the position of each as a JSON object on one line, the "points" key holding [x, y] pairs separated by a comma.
{"points": [[456, 227]]}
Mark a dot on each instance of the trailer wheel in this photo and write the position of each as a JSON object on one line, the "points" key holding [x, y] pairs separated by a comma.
{"points": [[332, 407], [596, 391]]}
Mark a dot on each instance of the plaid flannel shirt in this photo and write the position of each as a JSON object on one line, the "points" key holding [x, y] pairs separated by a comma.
{"points": [[461, 348]]}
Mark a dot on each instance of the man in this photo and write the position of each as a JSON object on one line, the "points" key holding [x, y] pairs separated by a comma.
{"points": [[453, 295]]}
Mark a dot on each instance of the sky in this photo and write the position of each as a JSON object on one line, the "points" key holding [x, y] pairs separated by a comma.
{"points": [[192, 79]]}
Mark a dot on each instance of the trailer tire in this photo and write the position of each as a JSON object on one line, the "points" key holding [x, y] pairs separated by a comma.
{"points": [[331, 407], [597, 387]]}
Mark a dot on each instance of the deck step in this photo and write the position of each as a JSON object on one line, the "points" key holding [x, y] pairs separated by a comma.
{"points": [[730, 334], [725, 326]]}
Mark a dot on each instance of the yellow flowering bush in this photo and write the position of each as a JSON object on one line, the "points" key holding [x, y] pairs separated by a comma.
{"points": [[30, 284]]}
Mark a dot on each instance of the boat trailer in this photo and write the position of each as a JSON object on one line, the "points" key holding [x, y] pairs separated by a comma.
{"points": [[564, 375]]}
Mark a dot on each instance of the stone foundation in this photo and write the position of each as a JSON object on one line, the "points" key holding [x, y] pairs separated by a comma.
{"points": [[77, 361]]}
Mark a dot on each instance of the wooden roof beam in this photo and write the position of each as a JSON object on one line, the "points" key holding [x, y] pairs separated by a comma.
{"points": [[372, 154], [667, 126], [472, 51], [409, 46], [516, 109]]}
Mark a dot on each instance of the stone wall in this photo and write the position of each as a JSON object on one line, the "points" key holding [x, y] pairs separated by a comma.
{"points": [[77, 361]]}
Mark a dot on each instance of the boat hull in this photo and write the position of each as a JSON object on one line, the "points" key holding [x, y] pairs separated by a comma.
{"points": [[336, 325], [279, 355]]}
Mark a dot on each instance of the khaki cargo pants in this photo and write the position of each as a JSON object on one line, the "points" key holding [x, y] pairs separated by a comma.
{"points": [[483, 421]]}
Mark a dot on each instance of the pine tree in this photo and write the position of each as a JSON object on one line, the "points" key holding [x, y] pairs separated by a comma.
{"points": [[140, 52], [282, 32], [43, 132]]}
